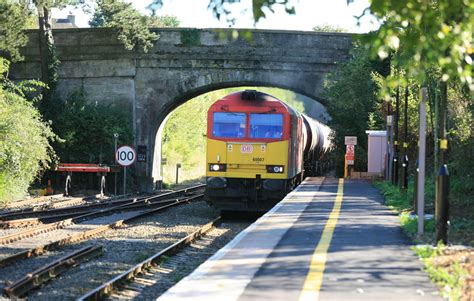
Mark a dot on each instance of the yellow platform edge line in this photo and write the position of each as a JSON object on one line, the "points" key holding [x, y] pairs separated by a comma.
{"points": [[314, 279]]}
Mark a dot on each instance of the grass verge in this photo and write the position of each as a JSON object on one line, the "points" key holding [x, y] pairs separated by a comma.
{"points": [[444, 269]]}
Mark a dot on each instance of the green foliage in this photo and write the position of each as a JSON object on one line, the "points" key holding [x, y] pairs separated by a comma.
{"points": [[13, 18], [329, 28], [426, 34], [353, 105], [163, 21], [183, 138], [87, 130], [24, 141], [410, 224], [190, 37], [132, 28], [451, 280], [393, 197], [402, 203], [259, 7]]}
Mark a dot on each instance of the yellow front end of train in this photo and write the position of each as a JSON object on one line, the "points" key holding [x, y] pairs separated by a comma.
{"points": [[247, 176], [247, 160]]}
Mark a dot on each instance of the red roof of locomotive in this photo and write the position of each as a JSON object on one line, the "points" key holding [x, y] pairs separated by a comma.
{"points": [[235, 103]]}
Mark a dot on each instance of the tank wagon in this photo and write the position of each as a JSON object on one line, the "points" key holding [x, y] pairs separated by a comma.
{"points": [[259, 149]]}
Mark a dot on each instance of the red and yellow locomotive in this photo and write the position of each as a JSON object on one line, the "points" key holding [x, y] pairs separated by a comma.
{"points": [[257, 150]]}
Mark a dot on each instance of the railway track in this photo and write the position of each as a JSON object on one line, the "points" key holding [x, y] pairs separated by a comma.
{"points": [[43, 213], [32, 217], [72, 230], [32, 201], [153, 262], [38, 277], [123, 248], [48, 202]]}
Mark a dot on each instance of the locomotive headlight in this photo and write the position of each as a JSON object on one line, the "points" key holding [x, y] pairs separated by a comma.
{"points": [[275, 169], [217, 167]]}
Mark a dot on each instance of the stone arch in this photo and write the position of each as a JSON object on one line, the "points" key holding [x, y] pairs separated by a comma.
{"points": [[191, 91]]}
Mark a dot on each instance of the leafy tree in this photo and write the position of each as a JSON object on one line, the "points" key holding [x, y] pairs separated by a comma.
{"points": [[353, 105], [13, 17], [426, 34], [329, 28], [132, 28], [87, 130], [163, 21], [48, 58], [219, 10], [24, 140]]}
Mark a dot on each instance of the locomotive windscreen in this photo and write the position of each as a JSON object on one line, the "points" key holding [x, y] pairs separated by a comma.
{"points": [[228, 125], [266, 126]]}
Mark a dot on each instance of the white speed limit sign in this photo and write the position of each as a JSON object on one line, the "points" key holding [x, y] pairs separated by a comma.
{"points": [[125, 155]]}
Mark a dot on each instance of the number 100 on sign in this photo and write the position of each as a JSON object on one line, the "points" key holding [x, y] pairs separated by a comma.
{"points": [[125, 155]]}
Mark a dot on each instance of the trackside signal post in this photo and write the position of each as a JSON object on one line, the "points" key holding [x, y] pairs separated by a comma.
{"points": [[125, 156], [350, 142]]}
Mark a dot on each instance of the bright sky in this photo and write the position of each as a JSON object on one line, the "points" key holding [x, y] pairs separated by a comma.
{"points": [[194, 13]]}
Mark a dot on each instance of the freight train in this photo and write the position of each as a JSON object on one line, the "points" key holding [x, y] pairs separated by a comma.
{"points": [[259, 149]]}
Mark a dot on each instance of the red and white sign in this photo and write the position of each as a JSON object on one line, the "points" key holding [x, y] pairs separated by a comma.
{"points": [[246, 148], [350, 154], [125, 155]]}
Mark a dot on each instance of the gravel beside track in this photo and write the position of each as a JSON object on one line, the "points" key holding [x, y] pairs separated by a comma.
{"points": [[159, 279], [123, 247]]}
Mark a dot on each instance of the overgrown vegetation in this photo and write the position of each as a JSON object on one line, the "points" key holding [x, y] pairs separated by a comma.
{"points": [[87, 129], [131, 27], [353, 104], [25, 151], [443, 268], [190, 37], [451, 280]]}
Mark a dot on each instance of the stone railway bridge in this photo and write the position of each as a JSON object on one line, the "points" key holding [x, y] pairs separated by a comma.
{"points": [[183, 64]]}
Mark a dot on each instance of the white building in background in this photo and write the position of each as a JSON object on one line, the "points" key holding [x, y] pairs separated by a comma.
{"points": [[68, 22]]}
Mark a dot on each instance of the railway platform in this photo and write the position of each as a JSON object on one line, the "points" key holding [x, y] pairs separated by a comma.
{"points": [[329, 239]]}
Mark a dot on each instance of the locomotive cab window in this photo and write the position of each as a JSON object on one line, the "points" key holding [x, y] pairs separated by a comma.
{"points": [[228, 125], [266, 126]]}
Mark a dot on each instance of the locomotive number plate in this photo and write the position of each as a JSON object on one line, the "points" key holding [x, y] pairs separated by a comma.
{"points": [[246, 148]]}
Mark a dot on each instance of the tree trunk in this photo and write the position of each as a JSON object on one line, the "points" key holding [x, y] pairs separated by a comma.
{"points": [[49, 62]]}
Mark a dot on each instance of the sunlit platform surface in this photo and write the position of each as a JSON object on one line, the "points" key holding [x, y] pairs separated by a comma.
{"points": [[327, 240]]}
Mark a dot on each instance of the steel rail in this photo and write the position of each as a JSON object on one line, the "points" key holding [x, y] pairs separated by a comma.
{"points": [[38, 250], [32, 201], [50, 271], [43, 206], [106, 288], [90, 207], [69, 221]]}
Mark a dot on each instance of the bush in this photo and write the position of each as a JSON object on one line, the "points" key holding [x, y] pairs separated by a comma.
{"points": [[87, 130], [24, 140]]}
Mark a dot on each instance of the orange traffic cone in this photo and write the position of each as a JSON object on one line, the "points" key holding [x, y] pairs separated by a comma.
{"points": [[49, 189]]}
